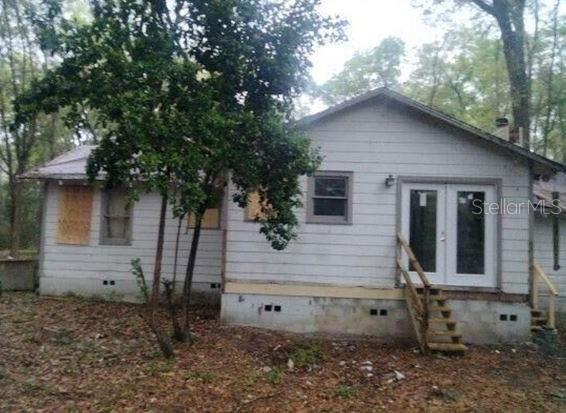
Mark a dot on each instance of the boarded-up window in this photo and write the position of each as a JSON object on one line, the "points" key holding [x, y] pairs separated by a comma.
{"points": [[116, 217], [75, 210], [210, 219], [253, 209]]}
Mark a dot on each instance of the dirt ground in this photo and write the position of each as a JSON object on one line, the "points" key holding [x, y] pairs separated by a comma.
{"points": [[75, 355]]}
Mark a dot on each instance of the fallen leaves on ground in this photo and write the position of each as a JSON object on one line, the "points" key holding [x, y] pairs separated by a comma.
{"points": [[71, 354]]}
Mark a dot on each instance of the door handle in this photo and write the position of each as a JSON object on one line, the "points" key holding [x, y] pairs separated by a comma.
{"points": [[442, 237]]}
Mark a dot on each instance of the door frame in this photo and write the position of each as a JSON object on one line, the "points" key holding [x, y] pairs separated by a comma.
{"points": [[497, 183]]}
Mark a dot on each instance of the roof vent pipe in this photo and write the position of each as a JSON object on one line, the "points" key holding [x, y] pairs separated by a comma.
{"points": [[502, 128]]}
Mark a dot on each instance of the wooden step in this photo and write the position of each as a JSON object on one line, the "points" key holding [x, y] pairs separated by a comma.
{"points": [[538, 321], [450, 324], [447, 347], [446, 311], [536, 328], [444, 337], [451, 334], [538, 313]]}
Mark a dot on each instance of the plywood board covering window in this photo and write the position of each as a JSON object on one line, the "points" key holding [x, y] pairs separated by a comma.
{"points": [[116, 217], [253, 209], [210, 219], [75, 210]]}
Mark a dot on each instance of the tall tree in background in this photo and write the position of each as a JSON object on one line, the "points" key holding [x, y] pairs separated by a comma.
{"points": [[27, 34], [463, 75], [186, 93], [380, 66], [510, 17]]}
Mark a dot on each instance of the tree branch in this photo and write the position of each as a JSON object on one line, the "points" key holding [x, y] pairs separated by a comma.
{"points": [[484, 6]]}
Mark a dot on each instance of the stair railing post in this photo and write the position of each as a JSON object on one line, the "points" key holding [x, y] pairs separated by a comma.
{"points": [[534, 297], [426, 312], [551, 311]]}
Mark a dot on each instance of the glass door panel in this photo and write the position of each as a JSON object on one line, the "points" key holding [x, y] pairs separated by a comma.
{"points": [[423, 226], [472, 236]]}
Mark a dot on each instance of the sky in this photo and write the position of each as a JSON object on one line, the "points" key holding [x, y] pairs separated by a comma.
{"points": [[370, 22]]}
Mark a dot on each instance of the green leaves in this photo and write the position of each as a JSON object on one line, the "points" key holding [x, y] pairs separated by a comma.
{"points": [[183, 95]]}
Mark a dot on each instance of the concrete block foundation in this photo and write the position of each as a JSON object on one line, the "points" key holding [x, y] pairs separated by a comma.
{"points": [[480, 322]]}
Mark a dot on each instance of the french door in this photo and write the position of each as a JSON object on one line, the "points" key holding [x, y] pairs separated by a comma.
{"points": [[451, 234]]}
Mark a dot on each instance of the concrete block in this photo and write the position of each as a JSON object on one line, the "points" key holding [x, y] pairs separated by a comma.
{"points": [[478, 320]]}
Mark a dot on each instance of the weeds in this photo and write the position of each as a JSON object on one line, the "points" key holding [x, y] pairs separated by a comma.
{"points": [[274, 376], [306, 355], [344, 392], [202, 376]]}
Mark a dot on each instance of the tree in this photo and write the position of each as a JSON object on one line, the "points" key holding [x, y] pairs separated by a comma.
{"points": [[24, 57], [462, 75], [185, 94], [366, 70], [509, 15]]}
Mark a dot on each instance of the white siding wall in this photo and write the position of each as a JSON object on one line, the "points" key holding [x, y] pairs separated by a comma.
{"points": [[82, 269], [374, 141], [545, 257]]}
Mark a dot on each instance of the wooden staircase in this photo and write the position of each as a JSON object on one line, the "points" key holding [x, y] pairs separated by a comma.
{"points": [[428, 307], [541, 319]]}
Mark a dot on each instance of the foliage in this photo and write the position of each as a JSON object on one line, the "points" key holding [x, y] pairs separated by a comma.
{"points": [[306, 354], [23, 59], [150, 71], [137, 270], [344, 392], [380, 66], [202, 376], [185, 93], [274, 376], [465, 73]]}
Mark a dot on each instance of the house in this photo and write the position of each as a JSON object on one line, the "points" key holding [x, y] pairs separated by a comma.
{"points": [[398, 180]]}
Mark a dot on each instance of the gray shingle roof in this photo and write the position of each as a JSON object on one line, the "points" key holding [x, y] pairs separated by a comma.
{"points": [[70, 165]]}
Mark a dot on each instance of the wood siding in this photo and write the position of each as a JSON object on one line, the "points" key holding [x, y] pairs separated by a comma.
{"points": [[375, 141], [82, 268]]}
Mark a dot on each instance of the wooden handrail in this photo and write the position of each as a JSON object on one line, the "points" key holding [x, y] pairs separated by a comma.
{"points": [[413, 259], [542, 275], [539, 273], [419, 306], [411, 287]]}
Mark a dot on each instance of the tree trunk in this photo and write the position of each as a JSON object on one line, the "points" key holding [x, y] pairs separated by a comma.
{"points": [[510, 19], [162, 339], [178, 332], [187, 287], [16, 203]]}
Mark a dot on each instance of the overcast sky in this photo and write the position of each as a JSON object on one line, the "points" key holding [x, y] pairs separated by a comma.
{"points": [[370, 22]]}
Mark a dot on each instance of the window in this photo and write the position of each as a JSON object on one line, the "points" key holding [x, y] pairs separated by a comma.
{"points": [[116, 217], [253, 209], [211, 217], [330, 198], [75, 210]]}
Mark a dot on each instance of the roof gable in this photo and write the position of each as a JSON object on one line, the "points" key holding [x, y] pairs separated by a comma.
{"points": [[544, 164]]}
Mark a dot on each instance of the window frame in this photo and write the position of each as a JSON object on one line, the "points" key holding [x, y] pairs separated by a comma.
{"points": [[105, 240], [330, 219]]}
